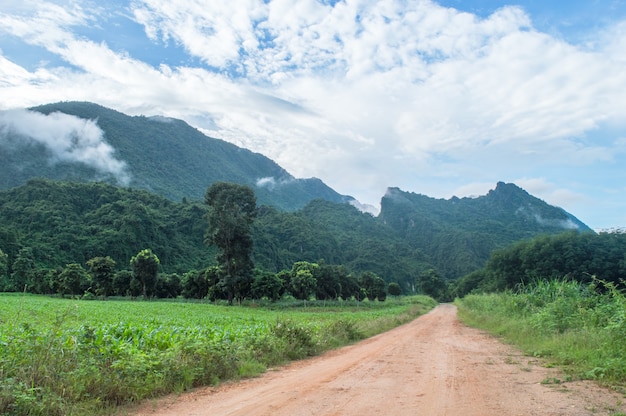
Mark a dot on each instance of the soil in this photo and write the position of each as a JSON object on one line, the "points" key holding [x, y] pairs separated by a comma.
{"points": [[432, 366]]}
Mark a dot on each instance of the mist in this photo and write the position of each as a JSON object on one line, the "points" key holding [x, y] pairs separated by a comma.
{"points": [[68, 139]]}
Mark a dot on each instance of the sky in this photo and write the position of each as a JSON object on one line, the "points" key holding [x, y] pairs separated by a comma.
{"points": [[442, 98]]}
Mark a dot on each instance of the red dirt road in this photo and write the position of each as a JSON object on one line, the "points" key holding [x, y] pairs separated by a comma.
{"points": [[432, 366]]}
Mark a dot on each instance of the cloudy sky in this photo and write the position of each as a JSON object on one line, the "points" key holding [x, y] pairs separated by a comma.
{"points": [[441, 98]]}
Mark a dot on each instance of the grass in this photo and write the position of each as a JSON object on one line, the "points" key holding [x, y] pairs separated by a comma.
{"points": [[580, 328], [70, 357]]}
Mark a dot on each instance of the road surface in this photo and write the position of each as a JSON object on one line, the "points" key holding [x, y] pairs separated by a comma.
{"points": [[432, 366]]}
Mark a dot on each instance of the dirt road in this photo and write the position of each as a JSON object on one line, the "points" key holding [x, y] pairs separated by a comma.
{"points": [[431, 366]]}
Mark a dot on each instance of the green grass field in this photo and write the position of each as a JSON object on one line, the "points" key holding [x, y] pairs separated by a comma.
{"points": [[77, 357]]}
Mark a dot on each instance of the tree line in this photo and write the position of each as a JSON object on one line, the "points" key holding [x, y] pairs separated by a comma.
{"points": [[101, 278], [577, 256]]}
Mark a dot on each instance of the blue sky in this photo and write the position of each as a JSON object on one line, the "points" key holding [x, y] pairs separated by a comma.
{"points": [[441, 98]]}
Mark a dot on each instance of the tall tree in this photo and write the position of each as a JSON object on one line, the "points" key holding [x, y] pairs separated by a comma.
{"points": [[232, 209], [145, 268], [23, 268], [102, 270]]}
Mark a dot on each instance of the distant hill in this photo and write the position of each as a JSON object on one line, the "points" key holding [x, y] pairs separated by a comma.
{"points": [[158, 154], [459, 233]]}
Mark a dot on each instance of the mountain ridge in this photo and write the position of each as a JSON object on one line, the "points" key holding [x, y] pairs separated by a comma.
{"points": [[162, 155], [169, 158]]}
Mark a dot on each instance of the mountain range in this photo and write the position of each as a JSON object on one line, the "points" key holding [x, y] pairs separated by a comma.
{"points": [[303, 219]]}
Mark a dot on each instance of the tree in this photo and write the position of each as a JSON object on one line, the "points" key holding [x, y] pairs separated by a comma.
{"points": [[195, 285], [232, 209], [73, 280], [303, 282], [328, 285], [349, 284], [145, 268], [168, 286], [394, 289], [23, 267], [373, 285], [267, 285], [432, 284], [102, 270]]}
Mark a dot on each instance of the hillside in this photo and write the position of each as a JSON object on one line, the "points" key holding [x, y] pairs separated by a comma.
{"points": [[161, 155], [173, 164], [63, 222], [459, 233]]}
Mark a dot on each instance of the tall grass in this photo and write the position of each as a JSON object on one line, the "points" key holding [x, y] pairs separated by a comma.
{"points": [[577, 326], [66, 357]]}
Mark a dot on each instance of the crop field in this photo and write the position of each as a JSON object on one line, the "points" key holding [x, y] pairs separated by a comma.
{"points": [[76, 357]]}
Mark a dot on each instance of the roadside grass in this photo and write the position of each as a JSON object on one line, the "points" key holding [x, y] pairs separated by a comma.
{"points": [[580, 328], [77, 357]]}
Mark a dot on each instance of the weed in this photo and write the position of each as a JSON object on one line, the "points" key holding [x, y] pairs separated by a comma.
{"points": [[571, 324]]}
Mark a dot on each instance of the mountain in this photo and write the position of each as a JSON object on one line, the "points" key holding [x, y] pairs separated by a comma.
{"points": [[162, 155], [459, 233], [53, 223], [85, 142]]}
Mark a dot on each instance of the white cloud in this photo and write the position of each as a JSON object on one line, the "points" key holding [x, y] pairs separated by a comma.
{"points": [[68, 138], [363, 94]]}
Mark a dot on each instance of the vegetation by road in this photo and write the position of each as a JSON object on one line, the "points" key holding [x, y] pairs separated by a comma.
{"points": [[580, 327], [70, 357]]}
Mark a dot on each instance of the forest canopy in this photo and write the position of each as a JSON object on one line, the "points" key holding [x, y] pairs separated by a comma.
{"points": [[47, 225]]}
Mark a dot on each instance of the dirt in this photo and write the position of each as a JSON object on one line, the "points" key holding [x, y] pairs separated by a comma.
{"points": [[432, 366]]}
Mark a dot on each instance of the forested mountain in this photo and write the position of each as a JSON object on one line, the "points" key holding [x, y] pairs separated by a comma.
{"points": [[458, 234], [161, 155], [63, 222], [173, 164]]}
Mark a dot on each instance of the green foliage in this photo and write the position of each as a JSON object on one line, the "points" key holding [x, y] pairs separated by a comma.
{"points": [[432, 284], [328, 281], [459, 234], [145, 268], [64, 357], [61, 223], [73, 280], [4, 268], [57, 223], [102, 270], [23, 269], [168, 285], [580, 326], [302, 283], [267, 285], [578, 256], [232, 209], [195, 285], [394, 289], [373, 286]]}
